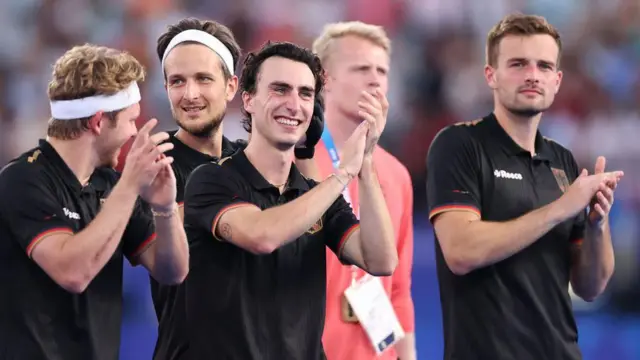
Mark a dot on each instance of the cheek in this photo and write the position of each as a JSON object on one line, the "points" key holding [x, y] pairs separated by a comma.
{"points": [[175, 95]]}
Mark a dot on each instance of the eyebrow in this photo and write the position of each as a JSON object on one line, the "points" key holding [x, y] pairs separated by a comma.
{"points": [[197, 74], [289, 87], [545, 62]]}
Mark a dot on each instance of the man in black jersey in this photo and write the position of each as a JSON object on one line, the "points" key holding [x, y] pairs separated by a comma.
{"points": [[508, 208], [198, 60], [65, 224], [260, 229]]}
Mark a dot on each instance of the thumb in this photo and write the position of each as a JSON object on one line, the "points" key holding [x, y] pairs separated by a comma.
{"points": [[584, 173]]}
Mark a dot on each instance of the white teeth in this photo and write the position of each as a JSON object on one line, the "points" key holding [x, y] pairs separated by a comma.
{"points": [[194, 108], [287, 122]]}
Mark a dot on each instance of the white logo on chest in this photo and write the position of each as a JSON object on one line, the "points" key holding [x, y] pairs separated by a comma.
{"points": [[501, 174], [70, 214]]}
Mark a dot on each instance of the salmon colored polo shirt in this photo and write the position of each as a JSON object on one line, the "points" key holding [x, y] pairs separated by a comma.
{"points": [[348, 341]]}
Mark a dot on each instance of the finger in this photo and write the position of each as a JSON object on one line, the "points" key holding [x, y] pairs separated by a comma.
{"points": [[371, 99], [146, 128], [143, 133], [608, 194], [600, 165], [164, 147], [613, 175], [598, 209], [159, 137], [603, 202], [369, 119], [583, 173], [384, 102], [368, 107]]}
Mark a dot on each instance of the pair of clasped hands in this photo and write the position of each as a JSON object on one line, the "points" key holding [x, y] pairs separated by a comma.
{"points": [[595, 190], [373, 108]]}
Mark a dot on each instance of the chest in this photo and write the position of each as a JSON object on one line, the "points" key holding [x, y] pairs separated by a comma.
{"points": [[512, 186]]}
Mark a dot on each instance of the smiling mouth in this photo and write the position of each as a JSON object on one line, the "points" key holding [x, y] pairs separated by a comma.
{"points": [[283, 120], [192, 109]]}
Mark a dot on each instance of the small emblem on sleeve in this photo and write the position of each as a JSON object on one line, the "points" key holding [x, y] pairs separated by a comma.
{"points": [[33, 156], [316, 227]]}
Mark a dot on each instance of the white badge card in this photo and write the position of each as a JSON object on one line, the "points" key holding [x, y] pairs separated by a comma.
{"points": [[375, 313]]}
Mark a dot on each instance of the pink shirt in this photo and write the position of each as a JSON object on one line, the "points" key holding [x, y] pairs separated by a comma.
{"points": [[348, 341]]}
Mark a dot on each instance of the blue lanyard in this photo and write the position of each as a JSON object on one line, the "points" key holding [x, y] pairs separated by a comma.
{"points": [[327, 139]]}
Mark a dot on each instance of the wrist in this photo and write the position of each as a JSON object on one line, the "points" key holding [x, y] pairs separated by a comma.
{"points": [[367, 169], [164, 211], [342, 176], [598, 227]]}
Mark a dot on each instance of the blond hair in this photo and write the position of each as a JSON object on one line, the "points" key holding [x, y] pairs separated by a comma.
{"points": [[332, 32], [518, 25], [85, 71]]}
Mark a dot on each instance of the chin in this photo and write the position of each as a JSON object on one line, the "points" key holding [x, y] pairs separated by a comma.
{"points": [[198, 127], [526, 111]]}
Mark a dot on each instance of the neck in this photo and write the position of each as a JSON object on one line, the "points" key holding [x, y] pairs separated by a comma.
{"points": [[78, 161], [210, 145], [339, 125], [273, 164], [522, 129]]}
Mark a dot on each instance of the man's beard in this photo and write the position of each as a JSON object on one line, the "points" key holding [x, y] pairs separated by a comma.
{"points": [[206, 130]]}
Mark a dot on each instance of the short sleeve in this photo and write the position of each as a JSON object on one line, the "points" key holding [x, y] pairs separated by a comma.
{"points": [[30, 207], [453, 173], [211, 191], [139, 233], [339, 223], [580, 221], [181, 181]]}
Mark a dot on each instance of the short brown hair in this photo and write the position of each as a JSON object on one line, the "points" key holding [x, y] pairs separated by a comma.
{"points": [[85, 71], [215, 29], [253, 63], [518, 25]]}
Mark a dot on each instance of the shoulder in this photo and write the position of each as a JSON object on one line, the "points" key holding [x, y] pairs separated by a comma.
{"points": [[560, 151], [231, 147], [222, 171], [28, 166], [465, 133]]}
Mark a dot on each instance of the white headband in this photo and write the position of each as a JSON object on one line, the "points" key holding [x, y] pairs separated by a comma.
{"points": [[89, 106], [205, 39]]}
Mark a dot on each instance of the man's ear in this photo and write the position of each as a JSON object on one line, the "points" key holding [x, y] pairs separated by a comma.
{"points": [[96, 122]]}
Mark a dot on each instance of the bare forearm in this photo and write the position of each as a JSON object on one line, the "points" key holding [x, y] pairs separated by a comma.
{"points": [[483, 243], [376, 229], [171, 249], [280, 225], [88, 251], [406, 348], [594, 263]]}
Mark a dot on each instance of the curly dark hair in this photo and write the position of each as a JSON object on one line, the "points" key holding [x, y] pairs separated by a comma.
{"points": [[287, 50], [217, 30]]}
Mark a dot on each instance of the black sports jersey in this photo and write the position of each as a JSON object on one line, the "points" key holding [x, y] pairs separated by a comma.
{"points": [[244, 306], [169, 306], [518, 308], [39, 320]]}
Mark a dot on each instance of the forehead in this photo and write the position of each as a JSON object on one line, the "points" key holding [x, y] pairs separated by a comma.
{"points": [[279, 69], [189, 58], [354, 48], [533, 47]]}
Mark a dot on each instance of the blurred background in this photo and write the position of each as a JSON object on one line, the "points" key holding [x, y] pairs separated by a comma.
{"points": [[437, 79]]}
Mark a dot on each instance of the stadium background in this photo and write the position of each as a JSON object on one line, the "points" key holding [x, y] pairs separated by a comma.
{"points": [[436, 80]]}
